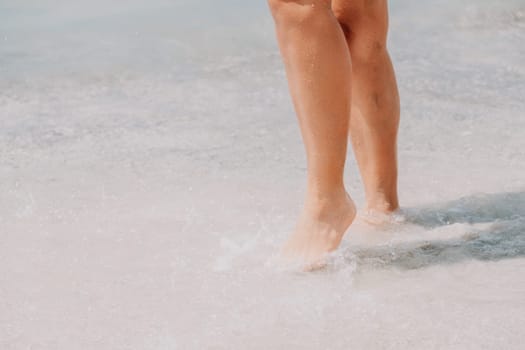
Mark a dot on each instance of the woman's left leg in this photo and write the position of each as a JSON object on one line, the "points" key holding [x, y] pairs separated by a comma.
{"points": [[318, 68]]}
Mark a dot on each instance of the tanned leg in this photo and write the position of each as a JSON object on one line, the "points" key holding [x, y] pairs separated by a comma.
{"points": [[375, 101], [318, 68]]}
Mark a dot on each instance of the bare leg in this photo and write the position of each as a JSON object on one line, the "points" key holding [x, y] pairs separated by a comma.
{"points": [[318, 68], [375, 100]]}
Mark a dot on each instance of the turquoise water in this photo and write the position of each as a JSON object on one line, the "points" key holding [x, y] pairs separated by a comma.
{"points": [[151, 165]]}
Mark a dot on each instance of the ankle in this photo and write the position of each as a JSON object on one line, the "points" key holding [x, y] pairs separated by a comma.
{"points": [[382, 203], [326, 202]]}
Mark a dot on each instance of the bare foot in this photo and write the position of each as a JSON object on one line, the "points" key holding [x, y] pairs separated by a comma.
{"points": [[382, 211], [381, 219], [320, 229]]}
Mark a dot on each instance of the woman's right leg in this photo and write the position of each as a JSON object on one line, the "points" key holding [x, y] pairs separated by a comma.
{"points": [[318, 68], [375, 101]]}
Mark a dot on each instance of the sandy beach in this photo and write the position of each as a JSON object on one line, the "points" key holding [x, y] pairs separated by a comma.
{"points": [[151, 166]]}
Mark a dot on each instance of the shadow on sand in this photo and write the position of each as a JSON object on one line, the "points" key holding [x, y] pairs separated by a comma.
{"points": [[503, 238]]}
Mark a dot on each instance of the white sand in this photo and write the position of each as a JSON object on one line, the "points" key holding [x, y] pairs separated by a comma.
{"points": [[149, 168]]}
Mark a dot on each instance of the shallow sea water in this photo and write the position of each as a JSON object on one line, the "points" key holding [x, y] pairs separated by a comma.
{"points": [[151, 166]]}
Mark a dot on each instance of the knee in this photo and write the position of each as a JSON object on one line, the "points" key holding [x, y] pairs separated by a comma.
{"points": [[296, 11], [367, 50], [365, 24], [356, 13]]}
